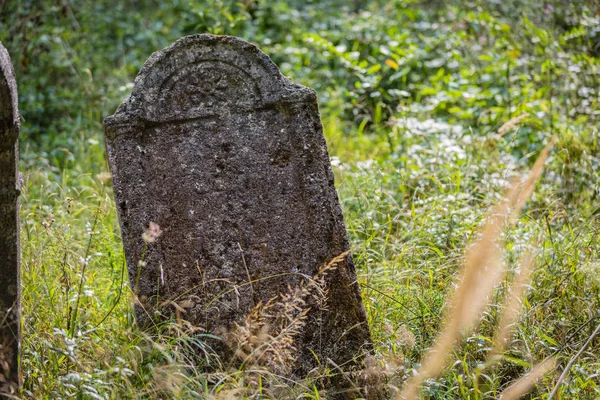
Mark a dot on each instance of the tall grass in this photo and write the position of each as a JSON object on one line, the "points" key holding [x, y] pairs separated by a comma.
{"points": [[411, 100], [171, 364], [483, 268]]}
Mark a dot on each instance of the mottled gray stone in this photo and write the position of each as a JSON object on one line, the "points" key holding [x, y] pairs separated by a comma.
{"points": [[228, 157], [10, 284]]}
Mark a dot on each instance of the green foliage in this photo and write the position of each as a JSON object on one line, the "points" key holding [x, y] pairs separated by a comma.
{"points": [[412, 96]]}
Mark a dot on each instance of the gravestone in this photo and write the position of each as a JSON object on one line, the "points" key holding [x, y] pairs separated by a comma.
{"points": [[226, 197], [10, 374]]}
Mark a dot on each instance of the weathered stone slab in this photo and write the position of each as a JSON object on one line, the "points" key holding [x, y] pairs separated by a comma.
{"points": [[10, 284], [225, 160]]}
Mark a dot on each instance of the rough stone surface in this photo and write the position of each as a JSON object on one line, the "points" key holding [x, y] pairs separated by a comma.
{"points": [[228, 157], [10, 285]]}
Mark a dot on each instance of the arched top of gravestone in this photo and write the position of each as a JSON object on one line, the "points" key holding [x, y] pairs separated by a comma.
{"points": [[204, 76], [9, 111]]}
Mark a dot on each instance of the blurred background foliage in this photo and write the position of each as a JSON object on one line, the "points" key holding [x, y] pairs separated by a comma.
{"points": [[473, 62]]}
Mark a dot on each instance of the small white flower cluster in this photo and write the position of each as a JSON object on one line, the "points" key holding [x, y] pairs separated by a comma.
{"points": [[152, 233]]}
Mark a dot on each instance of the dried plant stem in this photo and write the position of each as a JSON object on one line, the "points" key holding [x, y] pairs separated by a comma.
{"points": [[266, 336], [84, 266], [246, 268], [482, 270], [572, 361], [117, 300], [529, 185], [524, 385], [512, 304], [510, 124]]}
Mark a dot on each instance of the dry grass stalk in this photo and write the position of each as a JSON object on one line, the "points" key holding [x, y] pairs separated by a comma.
{"points": [[266, 337], [482, 269], [508, 125], [168, 381], [534, 175], [512, 304], [524, 385], [565, 372], [230, 394]]}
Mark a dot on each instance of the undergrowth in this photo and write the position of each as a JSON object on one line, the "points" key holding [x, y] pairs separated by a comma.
{"points": [[413, 98]]}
